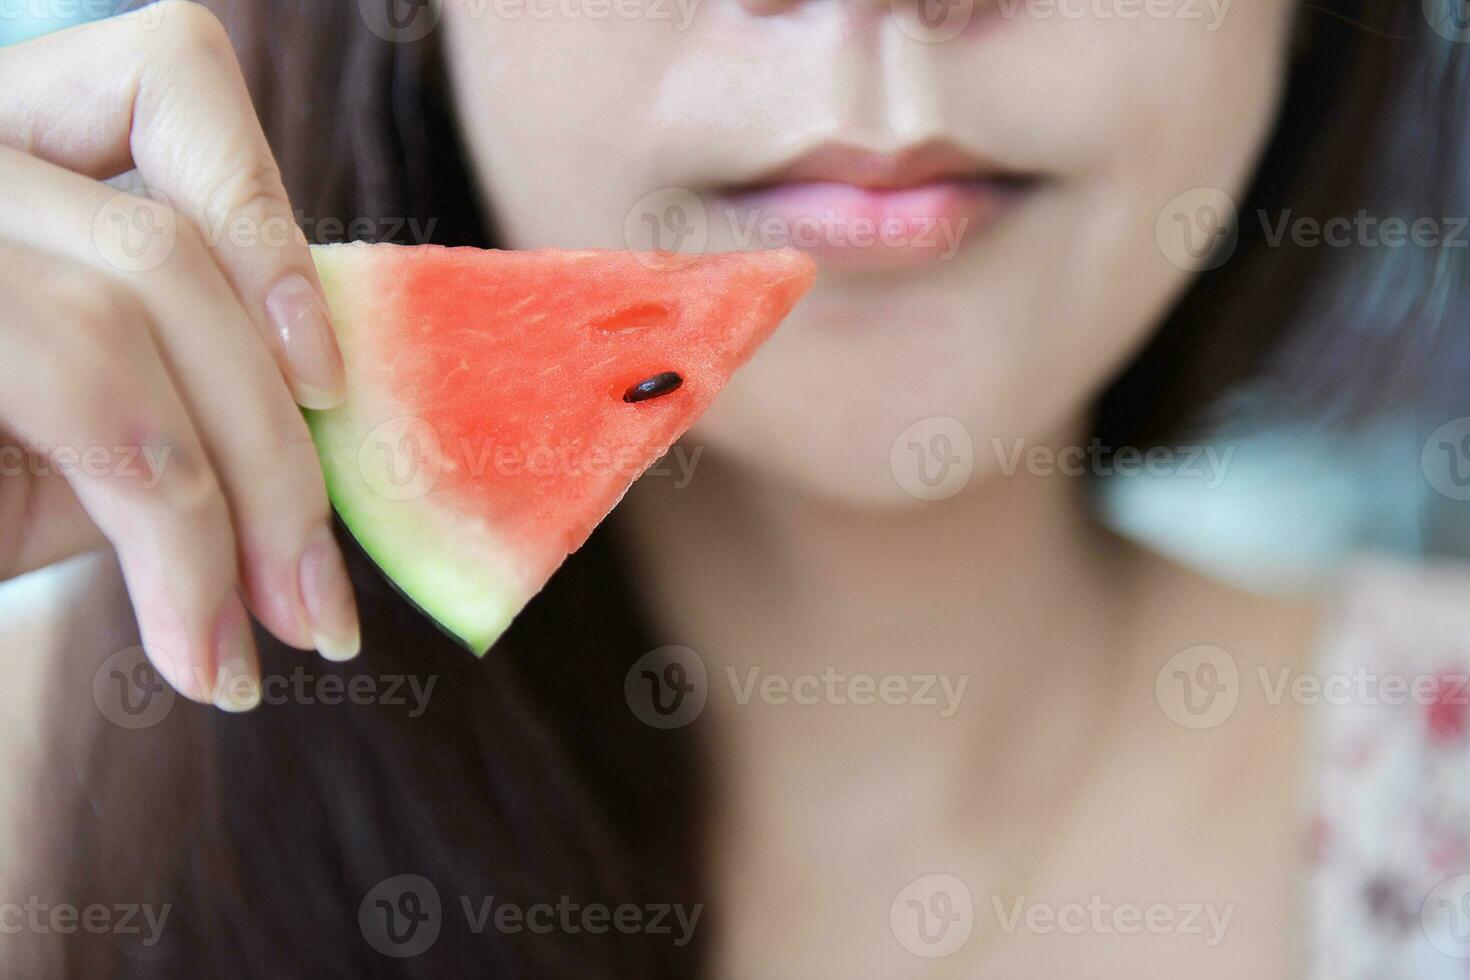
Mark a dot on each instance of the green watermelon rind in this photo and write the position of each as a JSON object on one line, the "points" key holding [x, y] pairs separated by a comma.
{"points": [[471, 603]]}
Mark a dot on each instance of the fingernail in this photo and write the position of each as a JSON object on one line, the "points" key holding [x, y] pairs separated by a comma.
{"points": [[326, 593], [237, 677], [303, 329], [193, 683]]}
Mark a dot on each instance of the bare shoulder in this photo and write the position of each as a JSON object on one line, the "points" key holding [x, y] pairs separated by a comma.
{"points": [[1180, 607]]}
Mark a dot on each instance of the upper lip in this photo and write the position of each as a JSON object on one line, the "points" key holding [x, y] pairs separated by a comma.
{"points": [[913, 166]]}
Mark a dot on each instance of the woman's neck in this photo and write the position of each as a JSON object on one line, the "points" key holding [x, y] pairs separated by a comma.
{"points": [[1000, 606], [1020, 647]]}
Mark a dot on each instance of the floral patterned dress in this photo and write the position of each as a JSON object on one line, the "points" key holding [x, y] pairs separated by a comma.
{"points": [[1389, 887]]}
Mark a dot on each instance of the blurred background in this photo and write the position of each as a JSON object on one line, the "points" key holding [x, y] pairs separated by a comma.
{"points": [[1270, 508]]}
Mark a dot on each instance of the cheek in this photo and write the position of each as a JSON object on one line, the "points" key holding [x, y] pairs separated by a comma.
{"points": [[555, 112], [573, 121]]}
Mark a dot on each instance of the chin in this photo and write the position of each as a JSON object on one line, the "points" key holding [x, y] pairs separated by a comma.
{"points": [[856, 452]]}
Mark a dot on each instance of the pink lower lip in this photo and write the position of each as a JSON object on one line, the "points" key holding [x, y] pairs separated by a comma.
{"points": [[846, 225]]}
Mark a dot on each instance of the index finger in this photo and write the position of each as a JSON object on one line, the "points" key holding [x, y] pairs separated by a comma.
{"points": [[159, 90]]}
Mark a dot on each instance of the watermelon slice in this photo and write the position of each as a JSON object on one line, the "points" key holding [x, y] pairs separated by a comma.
{"points": [[499, 404]]}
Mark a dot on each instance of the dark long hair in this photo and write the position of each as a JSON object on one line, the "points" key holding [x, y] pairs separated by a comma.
{"points": [[526, 777]]}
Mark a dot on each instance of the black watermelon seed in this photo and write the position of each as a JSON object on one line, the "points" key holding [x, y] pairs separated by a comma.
{"points": [[654, 387]]}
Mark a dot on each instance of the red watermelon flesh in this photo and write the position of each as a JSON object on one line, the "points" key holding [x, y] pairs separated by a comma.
{"points": [[486, 430]]}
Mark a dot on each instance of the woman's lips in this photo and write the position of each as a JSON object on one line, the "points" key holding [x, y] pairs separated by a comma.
{"points": [[846, 225], [861, 209]]}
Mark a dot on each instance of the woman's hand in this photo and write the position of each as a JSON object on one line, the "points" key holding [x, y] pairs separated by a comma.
{"points": [[152, 354]]}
